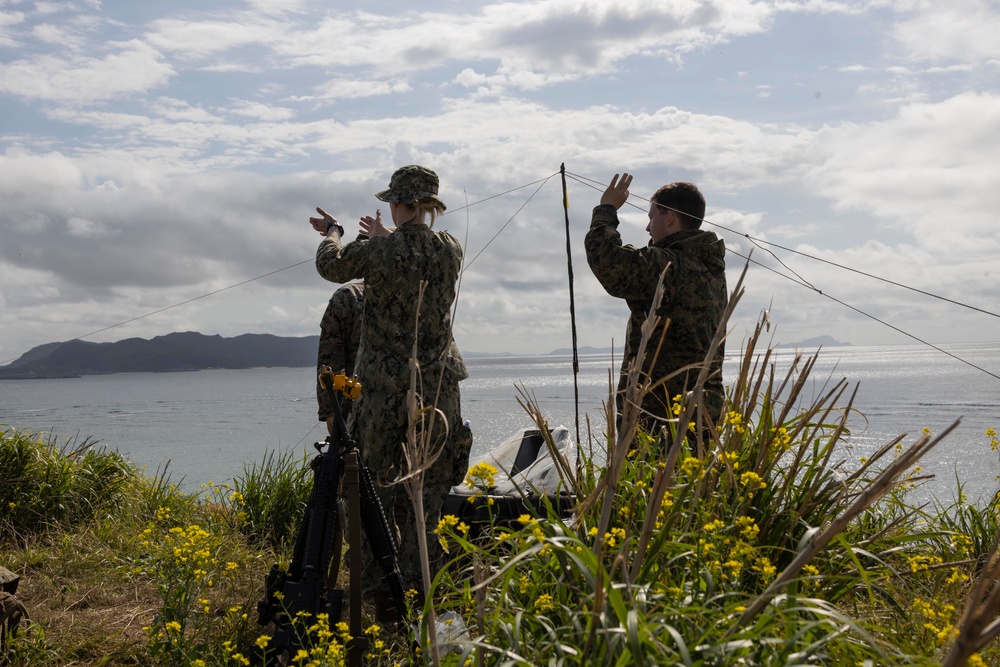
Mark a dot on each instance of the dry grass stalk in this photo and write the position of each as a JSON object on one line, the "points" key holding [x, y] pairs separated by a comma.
{"points": [[636, 387], [980, 623], [421, 453], [886, 481], [568, 475], [479, 577]]}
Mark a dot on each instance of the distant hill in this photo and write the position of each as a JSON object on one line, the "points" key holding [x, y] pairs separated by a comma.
{"points": [[560, 352], [586, 349], [188, 351], [818, 341]]}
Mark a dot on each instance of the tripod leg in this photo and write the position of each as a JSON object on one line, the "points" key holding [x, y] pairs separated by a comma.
{"points": [[382, 539], [351, 487]]}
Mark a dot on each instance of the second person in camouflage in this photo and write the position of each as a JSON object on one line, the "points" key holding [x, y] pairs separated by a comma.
{"points": [[695, 294], [339, 339], [393, 264]]}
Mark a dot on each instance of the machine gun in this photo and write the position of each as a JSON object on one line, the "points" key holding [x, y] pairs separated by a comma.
{"points": [[293, 598]]}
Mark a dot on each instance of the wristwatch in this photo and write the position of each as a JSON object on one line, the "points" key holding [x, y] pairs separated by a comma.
{"points": [[333, 224]]}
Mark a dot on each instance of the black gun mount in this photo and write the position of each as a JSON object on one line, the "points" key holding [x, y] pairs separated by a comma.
{"points": [[296, 596]]}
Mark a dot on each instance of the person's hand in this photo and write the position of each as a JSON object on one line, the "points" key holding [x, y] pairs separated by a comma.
{"points": [[372, 227], [617, 192], [325, 223]]}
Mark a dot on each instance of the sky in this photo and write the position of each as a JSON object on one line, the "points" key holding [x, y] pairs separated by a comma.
{"points": [[159, 160]]}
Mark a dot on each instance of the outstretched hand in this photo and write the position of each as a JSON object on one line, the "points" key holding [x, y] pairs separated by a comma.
{"points": [[373, 226], [324, 223], [617, 192]]}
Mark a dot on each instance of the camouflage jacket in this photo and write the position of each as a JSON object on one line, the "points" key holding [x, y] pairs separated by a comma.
{"points": [[339, 337], [393, 267], [695, 297]]}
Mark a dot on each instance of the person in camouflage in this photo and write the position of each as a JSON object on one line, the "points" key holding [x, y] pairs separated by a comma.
{"points": [[339, 338], [393, 264], [695, 294]]}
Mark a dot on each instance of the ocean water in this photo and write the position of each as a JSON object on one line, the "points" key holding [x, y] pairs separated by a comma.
{"points": [[207, 425]]}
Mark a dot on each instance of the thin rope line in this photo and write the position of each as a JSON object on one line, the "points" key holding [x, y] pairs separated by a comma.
{"points": [[871, 317], [510, 220], [543, 181], [182, 303], [756, 242], [871, 275]]}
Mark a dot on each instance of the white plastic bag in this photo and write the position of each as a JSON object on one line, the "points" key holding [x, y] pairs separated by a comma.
{"points": [[540, 477], [451, 632]]}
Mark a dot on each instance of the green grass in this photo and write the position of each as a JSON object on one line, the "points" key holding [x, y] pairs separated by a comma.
{"points": [[755, 545]]}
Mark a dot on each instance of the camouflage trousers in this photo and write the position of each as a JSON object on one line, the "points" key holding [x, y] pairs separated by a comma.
{"points": [[380, 428]]}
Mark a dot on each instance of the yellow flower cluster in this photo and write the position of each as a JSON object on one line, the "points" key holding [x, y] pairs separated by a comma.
{"points": [[613, 537], [765, 568], [957, 576], [544, 603], [192, 546], [449, 523], [994, 442], [749, 530], [780, 439], [920, 562], [692, 466], [940, 622], [326, 647], [713, 526], [734, 420], [481, 475], [809, 575], [962, 544], [752, 482], [185, 560], [535, 528]]}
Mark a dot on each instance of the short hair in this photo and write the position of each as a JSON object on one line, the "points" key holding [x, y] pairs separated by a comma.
{"points": [[684, 199]]}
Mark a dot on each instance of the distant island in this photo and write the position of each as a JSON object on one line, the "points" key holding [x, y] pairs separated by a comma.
{"points": [[192, 351], [186, 351], [818, 341]]}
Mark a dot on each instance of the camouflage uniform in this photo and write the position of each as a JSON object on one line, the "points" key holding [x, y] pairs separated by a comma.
{"points": [[695, 298], [393, 267], [340, 335]]}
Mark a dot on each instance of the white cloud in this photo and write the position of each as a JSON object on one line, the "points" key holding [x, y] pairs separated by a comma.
{"points": [[197, 39], [181, 111], [84, 227], [926, 171], [44, 8], [260, 111], [530, 44], [960, 30], [7, 21], [138, 174], [131, 67], [56, 35], [355, 89]]}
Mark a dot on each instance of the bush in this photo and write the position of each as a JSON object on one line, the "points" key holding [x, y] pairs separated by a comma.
{"points": [[44, 485]]}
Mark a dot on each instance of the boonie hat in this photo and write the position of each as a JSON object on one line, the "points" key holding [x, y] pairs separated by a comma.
{"points": [[410, 183]]}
